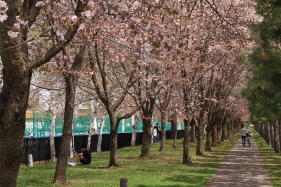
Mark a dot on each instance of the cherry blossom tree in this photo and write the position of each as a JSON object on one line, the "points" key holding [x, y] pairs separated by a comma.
{"points": [[21, 52]]}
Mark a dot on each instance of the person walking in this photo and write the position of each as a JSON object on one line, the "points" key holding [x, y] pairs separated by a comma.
{"points": [[243, 133]]}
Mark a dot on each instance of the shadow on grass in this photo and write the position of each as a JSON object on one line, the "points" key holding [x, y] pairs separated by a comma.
{"points": [[186, 180], [271, 161]]}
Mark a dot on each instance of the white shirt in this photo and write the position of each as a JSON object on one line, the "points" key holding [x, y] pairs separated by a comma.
{"points": [[243, 132], [155, 132]]}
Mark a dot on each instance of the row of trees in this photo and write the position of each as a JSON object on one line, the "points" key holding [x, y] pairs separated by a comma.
{"points": [[271, 132], [177, 57], [263, 89]]}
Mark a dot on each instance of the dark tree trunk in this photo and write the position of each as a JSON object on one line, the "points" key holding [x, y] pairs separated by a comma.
{"points": [[199, 138], [214, 136], [228, 130], [275, 136], [267, 136], [279, 134], [192, 131], [186, 159], [163, 132], [208, 138], [224, 132], [219, 133], [271, 134], [70, 90], [146, 137], [174, 127], [60, 174], [13, 105], [113, 141], [17, 74]]}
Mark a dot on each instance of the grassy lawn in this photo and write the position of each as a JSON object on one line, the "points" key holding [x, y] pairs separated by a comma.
{"points": [[271, 159], [164, 169]]}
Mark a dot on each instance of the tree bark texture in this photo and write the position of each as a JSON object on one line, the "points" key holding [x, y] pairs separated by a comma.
{"points": [[270, 125], [60, 173], [70, 91], [174, 124], [208, 139], [163, 132], [146, 138], [214, 136], [192, 131], [186, 159], [17, 74], [199, 138], [113, 141], [224, 132], [279, 132], [275, 136], [13, 105], [267, 135], [219, 132]]}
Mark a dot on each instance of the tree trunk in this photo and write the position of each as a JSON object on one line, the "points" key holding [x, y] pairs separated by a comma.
{"points": [[208, 138], [174, 124], [52, 138], [192, 131], [186, 159], [275, 136], [134, 132], [224, 132], [228, 134], [13, 105], [271, 134], [214, 136], [199, 138], [100, 136], [267, 136], [60, 173], [113, 141], [146, 137], [279, 132], [219, 133], [163, 132]]}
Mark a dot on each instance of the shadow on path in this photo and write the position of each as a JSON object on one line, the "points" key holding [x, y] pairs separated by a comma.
{"points": [[241, 167]]}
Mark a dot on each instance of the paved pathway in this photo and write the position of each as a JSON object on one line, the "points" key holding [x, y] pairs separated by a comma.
{"points": [[242, 167]]}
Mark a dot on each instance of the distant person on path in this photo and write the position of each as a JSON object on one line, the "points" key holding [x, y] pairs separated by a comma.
{"points": [[243, 133], [84, 157]]}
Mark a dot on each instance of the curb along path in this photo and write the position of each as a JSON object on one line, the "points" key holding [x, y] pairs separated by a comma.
{"points": [[242, 167]]}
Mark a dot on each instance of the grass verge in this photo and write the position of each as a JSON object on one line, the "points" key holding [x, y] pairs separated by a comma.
{"points": [[164, 169], [272, 160]]}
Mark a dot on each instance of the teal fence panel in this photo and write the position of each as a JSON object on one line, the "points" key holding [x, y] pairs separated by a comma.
{"points": [[39, 125]]}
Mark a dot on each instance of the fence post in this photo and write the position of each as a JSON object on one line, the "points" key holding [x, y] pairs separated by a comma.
{"points": [[30, 160], [123, 182]]}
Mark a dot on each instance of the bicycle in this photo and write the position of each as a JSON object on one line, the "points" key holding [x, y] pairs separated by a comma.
{"points": [[248, 136]]}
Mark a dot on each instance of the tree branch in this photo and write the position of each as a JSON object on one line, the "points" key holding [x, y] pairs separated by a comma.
{"points": [[69, 35]]}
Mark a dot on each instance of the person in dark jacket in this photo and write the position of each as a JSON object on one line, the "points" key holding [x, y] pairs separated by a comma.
{"points": [[84, 157]]}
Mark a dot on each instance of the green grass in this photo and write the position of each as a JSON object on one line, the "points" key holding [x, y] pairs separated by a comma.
{"points": [[163, 170], [272, 160]]}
